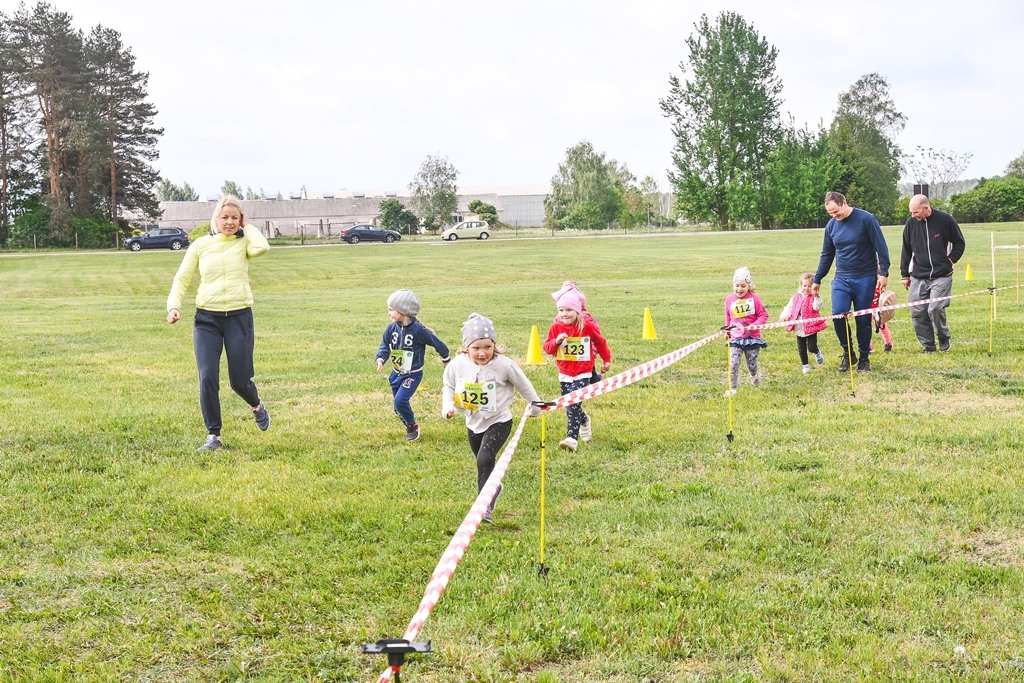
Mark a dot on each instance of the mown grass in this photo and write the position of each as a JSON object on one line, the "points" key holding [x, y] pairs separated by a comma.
{"points": [[840, 537]]}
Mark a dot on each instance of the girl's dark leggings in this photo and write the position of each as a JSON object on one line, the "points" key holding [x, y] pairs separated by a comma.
{"points": [[485, 446], [805, 344]]}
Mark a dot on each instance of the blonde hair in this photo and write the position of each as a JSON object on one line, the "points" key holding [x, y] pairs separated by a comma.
{"points": [[580, 325], [226, 200], [498, 350], [805, 276]]}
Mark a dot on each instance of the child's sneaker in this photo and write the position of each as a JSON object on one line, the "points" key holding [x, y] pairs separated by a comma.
{"points": [[261, 416], [806, 369], [568, 444], [756, 380], [412, 432], [212, 443], [490, 508], [888, 347], [819, 356], [586, 434], [730, 392]]}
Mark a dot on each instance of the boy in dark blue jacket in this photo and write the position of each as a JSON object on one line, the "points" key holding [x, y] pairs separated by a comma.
{"points": [[404, 346]]}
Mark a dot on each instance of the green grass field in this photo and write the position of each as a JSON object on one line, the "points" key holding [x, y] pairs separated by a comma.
{"points": [[841, 536]]}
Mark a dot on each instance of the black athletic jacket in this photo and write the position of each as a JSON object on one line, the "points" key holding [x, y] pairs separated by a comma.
{"points": [[935, 244]]}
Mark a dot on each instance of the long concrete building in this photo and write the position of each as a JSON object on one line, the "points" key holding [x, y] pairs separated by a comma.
{"points": [[329, 214]]}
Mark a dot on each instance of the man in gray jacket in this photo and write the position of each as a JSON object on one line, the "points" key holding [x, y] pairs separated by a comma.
{"points": [[932, 243]]}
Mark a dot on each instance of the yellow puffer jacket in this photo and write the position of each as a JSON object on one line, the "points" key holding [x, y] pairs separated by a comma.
{"points": [[223, 264]]}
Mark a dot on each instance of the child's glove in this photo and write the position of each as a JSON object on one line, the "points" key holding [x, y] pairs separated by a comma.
{"points": [[535, 411]]}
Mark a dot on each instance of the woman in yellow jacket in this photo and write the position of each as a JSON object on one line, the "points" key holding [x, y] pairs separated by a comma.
{"points": [[223, 311]]}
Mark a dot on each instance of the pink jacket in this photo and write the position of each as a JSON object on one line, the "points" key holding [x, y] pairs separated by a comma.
{"points": [[756, 314], [802, 307]]}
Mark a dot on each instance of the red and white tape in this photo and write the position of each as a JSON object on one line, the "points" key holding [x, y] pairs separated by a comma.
{"points": [[460, 541], [627, 377], [869, 311]]}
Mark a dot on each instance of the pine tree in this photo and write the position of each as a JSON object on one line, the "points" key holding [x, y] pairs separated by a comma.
{"points": [[54, 71], [124, 125], [16, 172]]}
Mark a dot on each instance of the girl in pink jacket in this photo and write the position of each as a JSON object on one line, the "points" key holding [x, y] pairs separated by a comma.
{"points": [[742, 309], [804, 306]]}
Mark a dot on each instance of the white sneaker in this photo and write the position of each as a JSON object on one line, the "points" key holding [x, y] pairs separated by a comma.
{"points": [[488, 516], [820, 357], [730, 392], [568, 444], [806, 369], [586, 434], [212, 443]]}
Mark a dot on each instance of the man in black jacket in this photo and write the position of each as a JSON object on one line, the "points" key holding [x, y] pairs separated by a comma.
{"points": [[932, 243]]}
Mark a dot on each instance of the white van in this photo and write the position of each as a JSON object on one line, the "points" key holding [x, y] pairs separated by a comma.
{"points": [[467, 229]]}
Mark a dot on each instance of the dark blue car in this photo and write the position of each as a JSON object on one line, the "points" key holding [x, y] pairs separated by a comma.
{"points": [[369, 233], [159, 238]]}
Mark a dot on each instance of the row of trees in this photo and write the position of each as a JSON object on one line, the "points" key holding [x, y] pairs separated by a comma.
{"points": [[77, 136], [77, 142], [735, 162], [993, 199]]}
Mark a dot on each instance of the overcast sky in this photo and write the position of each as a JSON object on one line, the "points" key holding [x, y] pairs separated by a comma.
{"points": [[335, 94]]}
